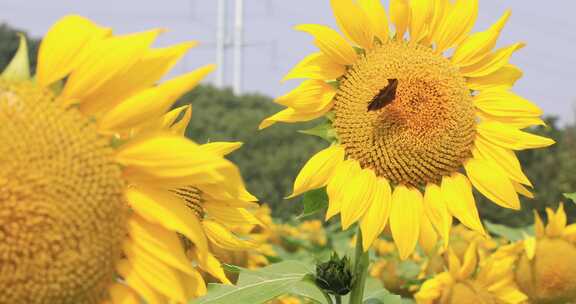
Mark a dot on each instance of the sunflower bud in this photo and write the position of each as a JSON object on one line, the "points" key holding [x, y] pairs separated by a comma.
{"points": [[335, 276]]}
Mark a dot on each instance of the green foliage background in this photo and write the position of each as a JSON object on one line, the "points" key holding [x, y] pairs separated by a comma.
{"points": [[270, 159]]}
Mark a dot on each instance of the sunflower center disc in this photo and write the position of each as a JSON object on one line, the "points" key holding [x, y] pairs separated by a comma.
{"points": [[423, 133], [61, 209]]}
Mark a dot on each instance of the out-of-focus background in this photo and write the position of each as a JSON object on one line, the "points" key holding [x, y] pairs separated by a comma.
{"points": [[258, 46]]}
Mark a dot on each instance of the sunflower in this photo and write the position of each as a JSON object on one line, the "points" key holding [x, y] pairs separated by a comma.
{"points": [[91, 172], [468, 281], [538, 270], [419, 115]]}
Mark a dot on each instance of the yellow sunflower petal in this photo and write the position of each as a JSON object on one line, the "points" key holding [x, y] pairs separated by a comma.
{"points": [[470, 261], [438, 16], [318, 170], [458, 22], [517, 122], [520, 189], [171, 159], [505, 158], [491, 63], [316, 66], [556, 221], [160, 242], [436, 210], [221, 148], [428, 236], [376, 14], [223, 238], [478, 45], [511, 138], [353, 22], [421, 13], [179, 127], [357, 197], [337, 185], [503, 78], [136, 282], [161, 277], [530, 246], [62, 45], [194, 285], [539, 229], [457, 193], [292, 115], [150, 103], [122, 294], [505, 103], [330, 43], [145, 72], [493, 182], [375, 218], [228, 216], [309, 96], [405, 219], [106, 59], [164, 209], [211, 265], [454, 264], [400, 16]]}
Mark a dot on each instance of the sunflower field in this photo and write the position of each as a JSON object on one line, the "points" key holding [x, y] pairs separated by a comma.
{"points": [[402, 169]]}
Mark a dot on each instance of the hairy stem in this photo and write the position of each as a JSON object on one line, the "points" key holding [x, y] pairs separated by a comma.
{"points": [[361, 261]]}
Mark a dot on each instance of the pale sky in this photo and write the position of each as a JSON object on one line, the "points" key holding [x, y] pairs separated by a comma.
{"points": [[273, 47]]}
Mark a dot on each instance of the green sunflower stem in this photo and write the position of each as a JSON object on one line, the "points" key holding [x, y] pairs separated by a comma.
{"points": [[361, 261]]}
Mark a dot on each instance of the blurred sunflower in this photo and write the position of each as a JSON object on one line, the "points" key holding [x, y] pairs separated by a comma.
{"points": [[546, 268], [91, 169], [468, 281], [409, 114]]}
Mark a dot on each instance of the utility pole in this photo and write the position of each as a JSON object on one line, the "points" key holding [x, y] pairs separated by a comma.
{"points": [[220, 42], [238, 45]]}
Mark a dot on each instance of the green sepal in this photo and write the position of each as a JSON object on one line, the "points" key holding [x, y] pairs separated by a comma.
{"points": [[19, 67], [323, 130]]}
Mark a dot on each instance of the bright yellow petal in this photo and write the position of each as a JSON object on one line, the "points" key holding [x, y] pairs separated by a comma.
{"points": [[376, 14], [539, 229], [104, 60], [457, 193], [62, 45], [491, 63], [405, 219], [556, 221], [517, 122], [316, 66], [511, 138], [309, 96], [337, 186], [357, 197], [505, 103], [428, 237], [454, 264], [151, 103], [520, 189], [330, 43], [478, 45], [493, 182], [436, 210], [160, 242], [221, 148], [505, 158], [530, 246], [353, 22], [318, 170], [122, 294], [439, 13], [420, 17], [503, 78], [470, 261], [179, 127], [211, 265], [228, 216], [223, 238], [400, 16], [163, 208], [375, 218], [458, 22], [144, 73], [136, 282], [292, 115], [164, 279]]}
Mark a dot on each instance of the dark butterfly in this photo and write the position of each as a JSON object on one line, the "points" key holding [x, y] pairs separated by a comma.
{"points": [[384, 97]]}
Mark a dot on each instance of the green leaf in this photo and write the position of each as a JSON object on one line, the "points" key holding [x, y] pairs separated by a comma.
{"points": [[323, 130], [265, 284], [512, 234], [19, 68], [314, 201], [571, 196]]}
